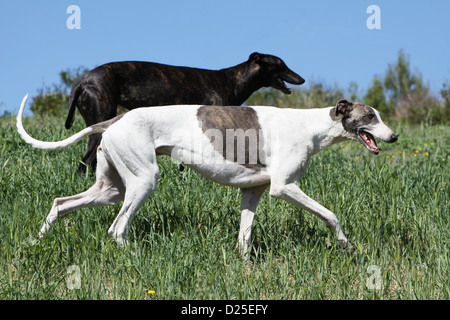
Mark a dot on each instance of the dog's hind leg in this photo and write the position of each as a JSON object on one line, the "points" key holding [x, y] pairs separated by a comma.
{"points": [[94, 107], [89, 158], [107, 190], [137, 192], [139, 174], [250, 200]]}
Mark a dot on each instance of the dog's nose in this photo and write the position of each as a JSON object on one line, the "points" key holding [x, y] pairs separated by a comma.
{"points": [[394, 138], [301, 81]]}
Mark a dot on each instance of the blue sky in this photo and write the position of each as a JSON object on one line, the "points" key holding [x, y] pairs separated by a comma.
{"points": [[323, 40]]}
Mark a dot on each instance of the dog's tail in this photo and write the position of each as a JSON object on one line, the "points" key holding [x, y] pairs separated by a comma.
{"points": [[96, 128], [73, 99]]}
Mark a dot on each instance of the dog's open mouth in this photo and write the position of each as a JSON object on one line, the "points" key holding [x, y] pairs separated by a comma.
{"points": [[282, 86], [368, 141], [279, 81]]}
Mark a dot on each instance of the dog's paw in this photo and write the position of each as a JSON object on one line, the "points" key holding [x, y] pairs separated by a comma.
{"points": [[121, 241], [30, 241], [346, 245]]}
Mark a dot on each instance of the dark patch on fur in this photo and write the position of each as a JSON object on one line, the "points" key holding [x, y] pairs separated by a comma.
{"points": [[360, 116], [353, 115], [234, 118]]}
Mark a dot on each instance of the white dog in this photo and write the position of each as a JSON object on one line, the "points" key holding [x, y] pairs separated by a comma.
{"points": [[252, 148]]}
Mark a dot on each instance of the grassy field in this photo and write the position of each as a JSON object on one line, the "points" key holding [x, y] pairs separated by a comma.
{"points": [[394, 209]]}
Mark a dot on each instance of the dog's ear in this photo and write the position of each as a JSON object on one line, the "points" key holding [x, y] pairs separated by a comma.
{"points": [[343, 106], [255, 56]]}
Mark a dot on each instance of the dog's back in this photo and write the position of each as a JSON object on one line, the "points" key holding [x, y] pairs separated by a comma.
{"points": [[136, 83]]}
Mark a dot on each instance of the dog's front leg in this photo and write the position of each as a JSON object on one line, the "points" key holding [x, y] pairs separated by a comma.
{"points": [[291, 193], [250, 200]]}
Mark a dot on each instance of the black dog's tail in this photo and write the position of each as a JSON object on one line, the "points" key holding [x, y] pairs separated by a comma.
{"points": [[74, 94]]}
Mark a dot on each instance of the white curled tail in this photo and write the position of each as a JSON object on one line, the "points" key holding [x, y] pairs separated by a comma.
{"points": [[52, 145]]}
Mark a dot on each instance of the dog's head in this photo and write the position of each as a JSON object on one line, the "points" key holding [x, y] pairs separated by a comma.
{"points": [[362, 123], [275, 72]]}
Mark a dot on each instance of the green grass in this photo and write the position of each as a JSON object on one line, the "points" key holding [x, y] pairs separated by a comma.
{"points": [[394, 209]]}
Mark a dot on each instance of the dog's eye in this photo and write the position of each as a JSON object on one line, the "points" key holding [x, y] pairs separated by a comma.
{"points": [[370, 116]]}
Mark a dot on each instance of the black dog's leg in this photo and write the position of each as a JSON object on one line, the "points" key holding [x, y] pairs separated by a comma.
{"points": [[90, 157], [94, 109]]}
